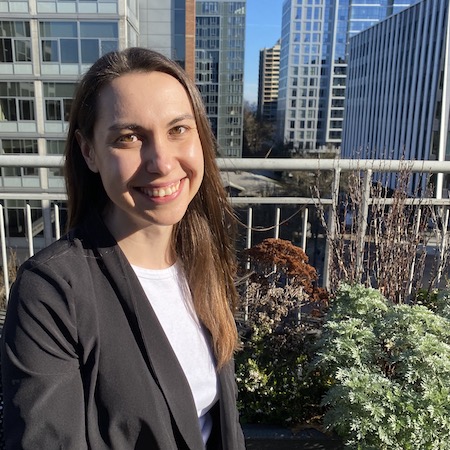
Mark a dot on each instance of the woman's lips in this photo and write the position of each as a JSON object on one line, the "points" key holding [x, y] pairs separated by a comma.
{"points": [[161, 191]]}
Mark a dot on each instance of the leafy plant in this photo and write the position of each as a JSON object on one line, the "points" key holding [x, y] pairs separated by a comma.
{"points": [[390, 366], [276, 336]]}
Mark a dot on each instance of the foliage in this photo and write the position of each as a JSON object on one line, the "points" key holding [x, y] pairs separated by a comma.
{"points": [[388, 250], [276, 259], [276, 337], [390, 366]]}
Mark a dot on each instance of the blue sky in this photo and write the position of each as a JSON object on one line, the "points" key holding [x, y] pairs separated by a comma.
{"points": [[263, 30]]}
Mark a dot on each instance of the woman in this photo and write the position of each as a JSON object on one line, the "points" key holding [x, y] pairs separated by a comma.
{"points": [[121, 334]]}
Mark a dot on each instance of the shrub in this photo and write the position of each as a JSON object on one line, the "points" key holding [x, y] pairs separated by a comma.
{"points": [[276, 336], [390, 366]]}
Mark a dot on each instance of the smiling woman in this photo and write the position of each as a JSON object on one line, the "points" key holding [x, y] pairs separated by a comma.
{"points": [[121, 334]]}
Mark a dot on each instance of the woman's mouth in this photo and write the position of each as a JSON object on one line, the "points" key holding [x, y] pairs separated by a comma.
{"points": [[161, 191]]}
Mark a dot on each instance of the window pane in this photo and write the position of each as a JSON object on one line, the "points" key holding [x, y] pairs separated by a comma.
{"points": [[22, 50], [8, 110], [58, 29], [69, 51], [55, 147], [89, 51], [26, 109], [52, 110], [50, 51], [6, 50], [108, 46], [67, 105], [98, 29]]}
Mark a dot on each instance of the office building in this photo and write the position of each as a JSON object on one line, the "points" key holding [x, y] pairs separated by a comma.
{"points": [[398, 100], [168, 26], [45, 46], [219, 47], [268, 81], [313, 66]]}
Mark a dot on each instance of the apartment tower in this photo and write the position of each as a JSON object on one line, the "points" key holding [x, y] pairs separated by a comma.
{"points": [[269, 73], [313, 66]]}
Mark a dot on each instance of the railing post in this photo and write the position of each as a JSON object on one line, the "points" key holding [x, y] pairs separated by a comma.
{"points": [[331, 226], [29, 230], [413, 264], [362, 228], [443, 247], [277, 222], [57, 222], [304, 228], [4, 256]]}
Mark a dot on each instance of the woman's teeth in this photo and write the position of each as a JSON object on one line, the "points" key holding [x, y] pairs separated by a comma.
{"points": [[162, 192]]}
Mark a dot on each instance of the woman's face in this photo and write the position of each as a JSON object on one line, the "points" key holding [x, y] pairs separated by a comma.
{"points": [[147, 151]]}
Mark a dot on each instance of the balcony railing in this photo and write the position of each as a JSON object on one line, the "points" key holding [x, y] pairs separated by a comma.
{"points": [[49, 224]]}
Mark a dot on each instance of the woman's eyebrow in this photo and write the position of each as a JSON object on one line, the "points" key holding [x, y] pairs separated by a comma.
{"points": [[181, 118], [124, 126]]}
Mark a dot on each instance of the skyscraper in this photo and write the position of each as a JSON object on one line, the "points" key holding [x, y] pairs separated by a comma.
{"points": [[313, 66], [219, 47], [269, 74], [398, 104], [44, 47], [168, 26]]}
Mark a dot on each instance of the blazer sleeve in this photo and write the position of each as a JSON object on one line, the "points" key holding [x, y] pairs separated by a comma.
{"points": [[42, 385]]}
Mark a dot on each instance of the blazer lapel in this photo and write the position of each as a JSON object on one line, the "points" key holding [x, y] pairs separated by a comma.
{"points": [[157, 351]]}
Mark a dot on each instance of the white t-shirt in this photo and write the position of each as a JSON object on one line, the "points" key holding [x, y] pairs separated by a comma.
{"points": [[170, 297]]}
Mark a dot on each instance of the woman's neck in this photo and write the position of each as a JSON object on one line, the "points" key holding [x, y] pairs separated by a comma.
{"points": [[150, 247]]}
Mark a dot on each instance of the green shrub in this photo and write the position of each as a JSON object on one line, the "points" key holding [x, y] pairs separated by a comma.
{"points": [[277, 351], [390, 366]]}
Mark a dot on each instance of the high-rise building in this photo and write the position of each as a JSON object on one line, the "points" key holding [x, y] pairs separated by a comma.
{"points": [[45, 45], [398, 102], [168, 26], [219, 47], [313, 66], [269, 74]]}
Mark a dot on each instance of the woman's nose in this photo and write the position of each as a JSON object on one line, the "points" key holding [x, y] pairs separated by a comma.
{"points": [[157, 156]]}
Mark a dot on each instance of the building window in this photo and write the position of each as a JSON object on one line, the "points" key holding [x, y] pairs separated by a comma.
{"points": [[19, 147], [58, 100], [77, 42], [15, 42], [16, 101]]}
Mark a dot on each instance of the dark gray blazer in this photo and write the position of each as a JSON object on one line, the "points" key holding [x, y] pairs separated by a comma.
{"points": [[86, 365]]}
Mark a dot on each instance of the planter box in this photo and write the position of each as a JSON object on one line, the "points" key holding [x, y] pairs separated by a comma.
{"points": [[266, 437]]}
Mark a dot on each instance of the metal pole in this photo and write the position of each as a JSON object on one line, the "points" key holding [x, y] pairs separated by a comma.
{"points": [[57, 222], [29, 231], [304, 228], [277, 222], [331, 225], [4, 256], [362, 228]]}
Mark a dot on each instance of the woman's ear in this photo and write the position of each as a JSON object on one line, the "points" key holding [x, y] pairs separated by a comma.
{"points": [[87, 151]]}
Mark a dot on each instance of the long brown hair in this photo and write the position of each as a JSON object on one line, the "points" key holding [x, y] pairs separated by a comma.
{"points": [[203, 239]]}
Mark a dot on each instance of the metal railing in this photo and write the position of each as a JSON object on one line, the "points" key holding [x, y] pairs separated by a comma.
{"points": [[336, 166]]}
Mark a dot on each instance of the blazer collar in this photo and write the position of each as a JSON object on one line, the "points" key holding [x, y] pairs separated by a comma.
{"points": [[157, 351]]}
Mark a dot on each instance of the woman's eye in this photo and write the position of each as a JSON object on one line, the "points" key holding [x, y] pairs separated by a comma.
{"points": [[179, 129], [128, 138]]}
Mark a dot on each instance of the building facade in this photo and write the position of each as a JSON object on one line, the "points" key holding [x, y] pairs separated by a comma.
{"points": [[45, 45], [268, 82], [398, 98], [219, 48], [168, 26], [313, 66]]}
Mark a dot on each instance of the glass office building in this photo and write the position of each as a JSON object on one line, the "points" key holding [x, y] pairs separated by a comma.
{"points": [[398, 102], [219, 57], [313, 66]]}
